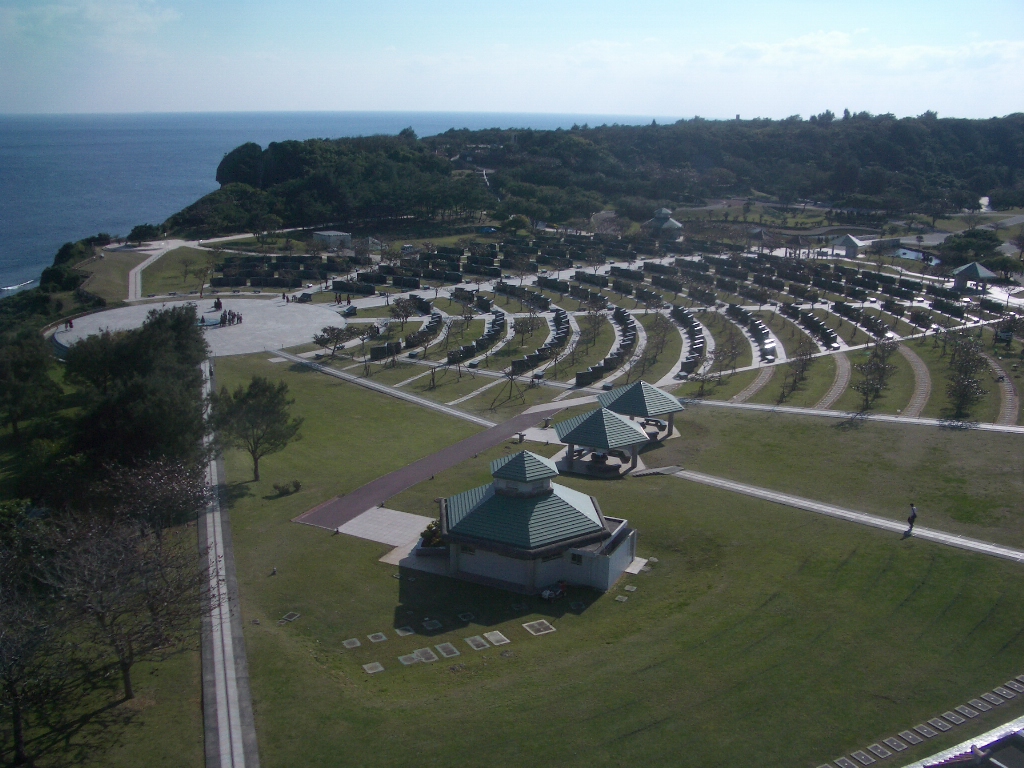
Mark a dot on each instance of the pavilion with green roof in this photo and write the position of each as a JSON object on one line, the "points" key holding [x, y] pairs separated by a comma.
{"points": [[972, 273], [643, 400], [524, 532], [601, 431]]}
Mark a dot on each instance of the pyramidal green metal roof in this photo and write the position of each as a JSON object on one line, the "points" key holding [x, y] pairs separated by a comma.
{"points": [[523, 467], [600, 429], [525, 522], [974, 271], [639, 399]]}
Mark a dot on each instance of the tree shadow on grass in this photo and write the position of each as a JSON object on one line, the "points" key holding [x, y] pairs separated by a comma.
{"points": [[234, 492]]}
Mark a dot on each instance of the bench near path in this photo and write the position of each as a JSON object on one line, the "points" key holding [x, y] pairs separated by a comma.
{"points": [[922, 383]]}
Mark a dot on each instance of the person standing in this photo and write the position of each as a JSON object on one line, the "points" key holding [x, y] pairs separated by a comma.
{"points": [[912, 518]]}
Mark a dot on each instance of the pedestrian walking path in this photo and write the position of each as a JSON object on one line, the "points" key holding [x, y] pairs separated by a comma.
{"points": [[861, 518], [755, 386], [922, 383], [1009, 404], [386, 390], [839, 383], [884, 417], [229, 727], [340, 510]]}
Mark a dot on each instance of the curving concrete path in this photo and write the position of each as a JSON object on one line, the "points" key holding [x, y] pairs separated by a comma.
{"points": [[839, 383], [755, 386], [922, 383], [1009, 403]]}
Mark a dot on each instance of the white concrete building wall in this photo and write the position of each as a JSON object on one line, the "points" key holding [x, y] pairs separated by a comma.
{"points": [[494, 566]]}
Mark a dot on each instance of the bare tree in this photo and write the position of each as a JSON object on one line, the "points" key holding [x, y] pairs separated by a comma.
{"points": [[139, 594], [875, 373], [964, 385]]}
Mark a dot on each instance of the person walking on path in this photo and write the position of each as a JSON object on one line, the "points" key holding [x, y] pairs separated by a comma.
{"points": [[911, 519]]}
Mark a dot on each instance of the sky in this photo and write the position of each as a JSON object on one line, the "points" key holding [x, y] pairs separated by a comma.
{"points": [[645, 57]]}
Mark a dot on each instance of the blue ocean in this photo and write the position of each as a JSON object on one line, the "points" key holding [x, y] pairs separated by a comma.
{"points": [[65, 177]]}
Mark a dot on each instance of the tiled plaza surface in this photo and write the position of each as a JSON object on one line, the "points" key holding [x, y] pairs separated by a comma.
{"points": [[267, 324]]}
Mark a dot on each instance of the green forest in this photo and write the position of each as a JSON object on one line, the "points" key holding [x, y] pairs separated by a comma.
{"points": [[863, 162]]}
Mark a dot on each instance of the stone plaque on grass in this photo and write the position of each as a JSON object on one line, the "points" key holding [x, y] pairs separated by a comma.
{"points": [[1004, 692], [477, 643], [938, 722], [894, 743], [991, 698], [448, 650], [621, 598], [496, 638], [540, 627], [373, 667], [431, 624], [845, 762], [352, 642], [405, 631], [863, 757], [966, 711], [910, 737], [980, 705], [925, 731], [879, 750], [954, 718], [290, 616], [377, 637], [408, 659], [630, 588], [425, 654], [1013, 684]]}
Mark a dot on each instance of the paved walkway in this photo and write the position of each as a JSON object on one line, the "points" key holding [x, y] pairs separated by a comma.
{"points": [[229, 727], [787, 409], [156, 250], [861, 518], [267, 324], [922, 382], [386, 390], [342, 509], [839, 383], [755, 386], [1009, 404]]}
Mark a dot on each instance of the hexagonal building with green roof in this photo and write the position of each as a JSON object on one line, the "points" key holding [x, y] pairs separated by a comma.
{"points": [[523, 532]]}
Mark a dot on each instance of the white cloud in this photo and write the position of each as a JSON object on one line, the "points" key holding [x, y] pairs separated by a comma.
{"points": [[803, 74]]}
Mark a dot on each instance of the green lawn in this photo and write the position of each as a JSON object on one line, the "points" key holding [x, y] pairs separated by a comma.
{"points": [[730, 385], [168, 273], [565, 369], [986, 410], [814, 387], [788, 332], [108, 276], [818, 636], [896, 396], [850, 333]]}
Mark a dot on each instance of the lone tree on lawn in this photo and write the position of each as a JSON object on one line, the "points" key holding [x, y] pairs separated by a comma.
{"points": [[255, 419], [332, 337]]}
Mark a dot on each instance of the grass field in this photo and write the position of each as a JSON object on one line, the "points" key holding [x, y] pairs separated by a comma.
{"points": [[565, 369], [168, 273], [987, 409], [108, 276], [896, 396], [788, 332], [818, 381], [761, 630], [730, 385]]}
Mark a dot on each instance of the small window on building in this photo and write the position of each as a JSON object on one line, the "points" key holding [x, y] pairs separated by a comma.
{"points": [[577, 559], [468, 550]]}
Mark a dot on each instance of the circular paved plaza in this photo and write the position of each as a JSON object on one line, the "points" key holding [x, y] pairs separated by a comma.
{"points": [[267, 324]]}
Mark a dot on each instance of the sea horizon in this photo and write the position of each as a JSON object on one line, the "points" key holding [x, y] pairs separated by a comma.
{"points": [[65, 176]]}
